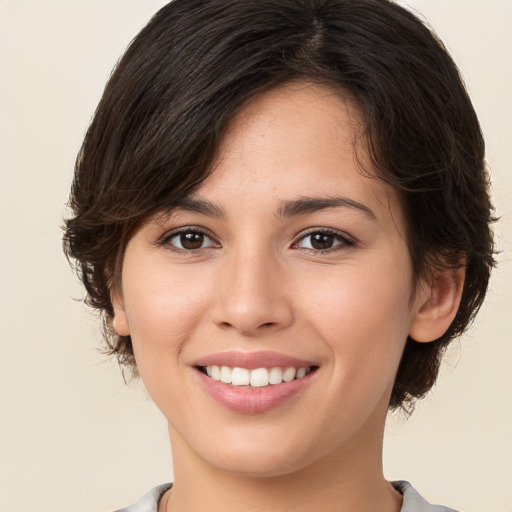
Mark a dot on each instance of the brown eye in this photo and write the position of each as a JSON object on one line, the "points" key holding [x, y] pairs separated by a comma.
{"points": [[189, 241], [324, 241], [321, 241]]}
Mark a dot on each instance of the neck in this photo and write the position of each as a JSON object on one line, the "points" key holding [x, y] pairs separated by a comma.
{"points": [[341, 482]]}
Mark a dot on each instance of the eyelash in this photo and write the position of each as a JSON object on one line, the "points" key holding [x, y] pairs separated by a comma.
{"points": [[165, 241], [344, 241]]}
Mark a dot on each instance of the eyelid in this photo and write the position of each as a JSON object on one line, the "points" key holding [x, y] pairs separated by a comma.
{"points": [[164, 241], [347, 240]]}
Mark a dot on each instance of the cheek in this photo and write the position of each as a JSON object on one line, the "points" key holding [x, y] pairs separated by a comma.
{"points": [[363, 315], [163, 308], [359, 297]]}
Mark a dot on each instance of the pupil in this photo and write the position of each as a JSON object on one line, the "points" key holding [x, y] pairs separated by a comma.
{"points": [[321, 241], [191, 240]]}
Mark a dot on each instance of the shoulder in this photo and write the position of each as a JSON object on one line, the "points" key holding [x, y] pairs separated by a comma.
{"points": [[414, 502], [148, 502]]}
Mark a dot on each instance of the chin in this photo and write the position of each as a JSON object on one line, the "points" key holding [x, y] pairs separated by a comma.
{"points": [[252, 456], [279, 458], [258, 466]]}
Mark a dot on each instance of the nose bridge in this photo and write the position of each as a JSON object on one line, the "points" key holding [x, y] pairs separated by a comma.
{"points": [[252, 294]]}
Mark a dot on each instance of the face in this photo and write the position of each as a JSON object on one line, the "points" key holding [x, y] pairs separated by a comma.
{"points": [[290, 265]]}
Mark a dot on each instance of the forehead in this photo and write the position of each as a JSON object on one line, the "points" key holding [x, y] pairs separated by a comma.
{"points": [[294, 140], [300, 115]]}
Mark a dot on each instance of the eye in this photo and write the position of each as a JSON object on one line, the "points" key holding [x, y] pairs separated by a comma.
{"points": [[188, 240], [324, 240]]}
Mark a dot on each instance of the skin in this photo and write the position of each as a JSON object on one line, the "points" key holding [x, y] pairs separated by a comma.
{"points": [[258, 282]]}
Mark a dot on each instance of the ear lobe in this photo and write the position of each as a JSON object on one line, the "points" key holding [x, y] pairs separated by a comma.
{"points": [[120, 319], [437, 304]]}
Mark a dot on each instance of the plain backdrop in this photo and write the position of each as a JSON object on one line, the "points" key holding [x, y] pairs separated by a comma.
{"points": [[73, 436]]}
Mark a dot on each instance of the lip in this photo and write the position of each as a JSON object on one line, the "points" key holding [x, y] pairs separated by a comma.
{"points": [[247, 400], [253, 360]]}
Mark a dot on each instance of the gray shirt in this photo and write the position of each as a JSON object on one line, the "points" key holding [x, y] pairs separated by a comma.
{"points": [[413, 502]]}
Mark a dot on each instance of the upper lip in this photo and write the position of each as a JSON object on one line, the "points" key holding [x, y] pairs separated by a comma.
{"points": [[252, 360]]}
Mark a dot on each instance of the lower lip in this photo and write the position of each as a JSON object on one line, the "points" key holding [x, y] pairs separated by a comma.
{"points": [[248, 400]]}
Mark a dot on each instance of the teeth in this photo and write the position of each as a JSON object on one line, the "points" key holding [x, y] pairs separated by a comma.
{"points": [[257, 378], [289, 374], [225, 374], [275, 376], [240, 377], [301, 372], [215, 372]]}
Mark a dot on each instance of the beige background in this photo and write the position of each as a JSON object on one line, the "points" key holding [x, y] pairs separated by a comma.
{"points": [[73, 437]]}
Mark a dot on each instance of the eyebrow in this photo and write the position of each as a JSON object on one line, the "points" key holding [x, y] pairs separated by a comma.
{"points": [[288, 208], [197, 205], [304, 205]]}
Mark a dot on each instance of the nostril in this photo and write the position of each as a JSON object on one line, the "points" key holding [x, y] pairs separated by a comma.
{"points": [[228, 324]]}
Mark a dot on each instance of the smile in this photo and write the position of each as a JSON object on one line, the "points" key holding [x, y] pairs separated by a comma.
{"points": [[256, 382], [255, 378]]}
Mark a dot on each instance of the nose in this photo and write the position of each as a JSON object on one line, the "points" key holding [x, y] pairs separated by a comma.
{"points": [[253, 296]]}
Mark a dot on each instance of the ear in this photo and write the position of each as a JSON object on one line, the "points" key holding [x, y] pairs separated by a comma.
{"points": [[436, 304], [120, 319]]}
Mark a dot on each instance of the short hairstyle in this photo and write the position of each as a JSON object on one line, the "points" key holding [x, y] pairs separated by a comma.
{"points": [[196, 63]]}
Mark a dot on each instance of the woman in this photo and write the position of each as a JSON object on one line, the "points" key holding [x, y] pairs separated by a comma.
{"points": [[282, 210]]}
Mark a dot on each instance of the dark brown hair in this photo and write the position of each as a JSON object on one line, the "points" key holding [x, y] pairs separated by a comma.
{"points": [[197, 63]]}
